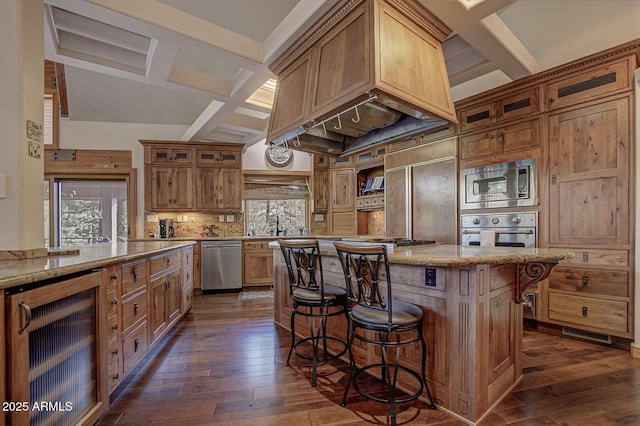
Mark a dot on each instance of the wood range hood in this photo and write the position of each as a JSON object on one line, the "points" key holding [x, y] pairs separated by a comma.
{"points": [[368, 72]]}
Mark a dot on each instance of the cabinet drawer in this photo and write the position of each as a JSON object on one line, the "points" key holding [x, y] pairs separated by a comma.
{"points": [[112, 327], [589, 311], [134, 347], [591, 84], [133, 310], [164, 262], [112, 301], [256, 245], [114, 375], [590, 281], [596, 257], [187, 257], [114, 350], [133, 276]]}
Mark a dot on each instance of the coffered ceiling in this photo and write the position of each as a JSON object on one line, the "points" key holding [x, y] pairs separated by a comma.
{"points": [[204, 63]]}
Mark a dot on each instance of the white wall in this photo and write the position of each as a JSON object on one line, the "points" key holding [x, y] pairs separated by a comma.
{"points": [[253, 159]]}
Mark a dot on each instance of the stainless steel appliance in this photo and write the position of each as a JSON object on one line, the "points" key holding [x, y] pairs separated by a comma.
{"points": [[221, 266], [165, 228], [512, 229], [512, 184]]}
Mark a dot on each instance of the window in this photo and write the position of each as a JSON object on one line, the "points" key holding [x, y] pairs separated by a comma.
{"points": [[86, 211], [276, 204], [51, 113]]}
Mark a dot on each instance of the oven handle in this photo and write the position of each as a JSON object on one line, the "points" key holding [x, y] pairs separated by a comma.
{"points": [[529, 232]]}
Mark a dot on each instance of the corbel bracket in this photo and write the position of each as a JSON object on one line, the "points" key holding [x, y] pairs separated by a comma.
{"points": [[529, 273]]}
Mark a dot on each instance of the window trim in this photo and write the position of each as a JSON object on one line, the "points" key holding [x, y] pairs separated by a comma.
{"points": [[129, 177], [53, 94]]}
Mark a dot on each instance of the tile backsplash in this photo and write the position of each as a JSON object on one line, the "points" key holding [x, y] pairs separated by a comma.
{"points": [[198, 224]]}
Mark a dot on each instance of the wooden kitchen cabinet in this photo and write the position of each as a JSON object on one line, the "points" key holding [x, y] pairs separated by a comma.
{"points": [[321, 190], [187, 278], [134, 279], [165, 292], [590, 193], [592, 83], [170, 188], [257, 261], [114, 327], [218, 188], [590, 164], [208, 178], [343, 194], [495, 111], [511, 138]]}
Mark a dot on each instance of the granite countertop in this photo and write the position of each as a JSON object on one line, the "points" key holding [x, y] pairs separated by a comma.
{"points": [[453, 255], [18, 272]]}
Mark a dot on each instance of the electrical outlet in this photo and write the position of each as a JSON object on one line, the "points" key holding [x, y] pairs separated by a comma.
{"points": [[179, 218], [152, 218], [185, 218], [318, 217], [430, 277], [231, 218], [221, 218]]}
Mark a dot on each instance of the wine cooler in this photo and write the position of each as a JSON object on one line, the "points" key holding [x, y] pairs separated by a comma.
{"points": [[56, 333]]}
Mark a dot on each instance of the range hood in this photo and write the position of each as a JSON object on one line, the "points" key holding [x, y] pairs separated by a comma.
{"points": [[368, 73]]}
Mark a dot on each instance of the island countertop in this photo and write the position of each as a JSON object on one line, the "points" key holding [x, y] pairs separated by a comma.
{"points": [[454, 255], [18, 272]]}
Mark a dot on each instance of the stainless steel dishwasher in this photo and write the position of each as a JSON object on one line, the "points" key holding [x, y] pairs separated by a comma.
{"points": [[221, 266]]}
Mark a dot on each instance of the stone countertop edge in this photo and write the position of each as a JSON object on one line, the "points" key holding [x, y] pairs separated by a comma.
{"points": [[14, 273], [444, 255]]}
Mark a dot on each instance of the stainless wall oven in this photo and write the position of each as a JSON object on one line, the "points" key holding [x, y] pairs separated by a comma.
{"points": [[512, 229], [510, 184]]}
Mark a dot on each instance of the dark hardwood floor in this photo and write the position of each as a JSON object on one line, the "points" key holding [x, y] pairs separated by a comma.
{"points": [[224, 365]]}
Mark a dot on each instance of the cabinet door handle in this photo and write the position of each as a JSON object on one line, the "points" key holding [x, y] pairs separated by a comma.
{"points": [[168, 284], [114, 327], [135, 275], [136, 343], [115, 351], [135, 308], [114, 276], [584, 311], [585, 281], [27, 311], [552, 100], [114, 302], [116, 376]]}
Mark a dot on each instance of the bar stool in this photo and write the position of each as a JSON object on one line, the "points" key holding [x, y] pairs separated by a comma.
{"points": [[313, 299], [377, 319]]}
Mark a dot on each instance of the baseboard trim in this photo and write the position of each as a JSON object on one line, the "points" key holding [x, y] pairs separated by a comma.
{"points": [[635, 350]]}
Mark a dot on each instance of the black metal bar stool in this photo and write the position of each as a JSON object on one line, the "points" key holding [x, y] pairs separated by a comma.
{"points": [[377, 319], [313, 299]]}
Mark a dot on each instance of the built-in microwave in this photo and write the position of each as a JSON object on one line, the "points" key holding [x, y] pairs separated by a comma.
{"points": [[510, 184]]}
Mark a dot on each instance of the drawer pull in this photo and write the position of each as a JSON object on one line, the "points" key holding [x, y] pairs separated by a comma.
{"points": [[585, 281], [114, 276], [115, 351], [135, 275], [584, 311], [168, 284], [114, 327], [116, 376], [167, 262], [135, 308], [136, 343], [114, 302]]}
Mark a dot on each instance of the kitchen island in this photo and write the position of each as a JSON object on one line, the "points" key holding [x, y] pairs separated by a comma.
{"points": [[473, 317], [78, 321]]}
